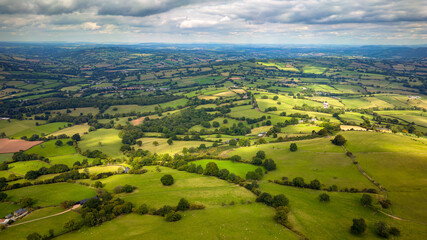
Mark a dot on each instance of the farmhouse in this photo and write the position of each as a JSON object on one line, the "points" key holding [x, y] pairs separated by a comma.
{"points": [[325, 105], [20, 212], [4, 221]]}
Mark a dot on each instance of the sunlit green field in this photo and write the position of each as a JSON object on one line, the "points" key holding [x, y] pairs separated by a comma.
{"points": [[104, 140]]}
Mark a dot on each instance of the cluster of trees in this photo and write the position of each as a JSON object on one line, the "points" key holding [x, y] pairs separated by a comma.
{"points": [[22, 156], [57, 168], [382, 229], [299, 182], [123, 189], [260, 160]]}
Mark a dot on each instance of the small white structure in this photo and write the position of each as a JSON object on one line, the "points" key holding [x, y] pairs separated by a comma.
{"points": [[325, 105]]}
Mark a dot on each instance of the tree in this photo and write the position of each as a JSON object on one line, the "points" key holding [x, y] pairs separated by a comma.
{"points": [[89, 219], [34, 236], [265, 198], [58, 143], [183, 205], [324, 197], [293, 147], [298, 182], [235, 158], [155, 143], [211, 169], [3, 196], [256, 161], [167, 180], [339, 140], [382, 229], [215, 124], [98, 184], [251, 175], [394, 231], [26, 202], [143, 209], [260, 154], [366, 200], [281, 216], [223, 173], [170, 141], [3, 166], [76, 137], [173, 217], [358, 227], [315, 184], [199, 169], [280, 200], [269, 164]]}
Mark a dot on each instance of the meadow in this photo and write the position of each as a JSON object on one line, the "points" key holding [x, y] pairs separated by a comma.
{"points": [[164, 147], [240, 169], [104, 140]]}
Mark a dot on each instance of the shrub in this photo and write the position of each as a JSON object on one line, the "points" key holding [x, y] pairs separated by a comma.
{"points": [[183, 205], [194, 206], [298, 182], [269, 164], [173, 217], [366, 200], [358, 227], [293, 147], [98, 184], [163, 211], [223, 174], [265, 198], [315, 184], [251, 175], [143, 209], [260, 154], [382, 229], [339, 140], [256, 161], [324, 197], [281, 216], [34, 236], [394, 231], [211, 169], [280, 200], [3, 196], [167, 180]]}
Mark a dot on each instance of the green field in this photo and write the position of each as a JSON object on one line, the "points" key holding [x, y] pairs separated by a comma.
{"points": [[109, 139], [251, 221], [70, 131], [280, 66], [315, 159], [164, 147], [49, 149], [5, 157], [21, 168], [7, 208], [209, 191], [240, 169], [313, 69], [51, 194], [45, 129], [68, 160]]}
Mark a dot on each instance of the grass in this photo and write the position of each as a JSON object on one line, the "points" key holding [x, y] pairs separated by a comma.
{"points": [[68, 160], [109, 139], [100, 169], [313, 69], [131, 108], [164, 147], [42, 227], [70, 131], [332, 220], [280, 66], [49, 149], [5, 157], [21, 168], [209, 191], [7, 208], [315, 159], [16, 126], [384, 155], [240, 169], [51, 194], [45, 129], [253, 221]]}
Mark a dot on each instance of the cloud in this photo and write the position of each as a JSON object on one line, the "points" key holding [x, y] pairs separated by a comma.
{"points": [[200, 23], [90, 26]]}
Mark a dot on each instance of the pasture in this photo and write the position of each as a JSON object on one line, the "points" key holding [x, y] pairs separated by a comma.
{"points": [[49, 148], [70, 131], [51, 194], [210, 191], [104, 140], [164, 147], [21, 168]]}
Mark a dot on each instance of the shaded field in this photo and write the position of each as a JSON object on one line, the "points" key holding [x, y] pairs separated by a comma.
{"points": [[164, 147], [70, 131], [104, 140], [49, 148], [240, 169]]}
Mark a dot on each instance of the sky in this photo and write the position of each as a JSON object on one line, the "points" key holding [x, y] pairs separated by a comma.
{"points": [[354, 22]]}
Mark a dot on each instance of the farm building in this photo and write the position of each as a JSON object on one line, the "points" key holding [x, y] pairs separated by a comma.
{"points": [[4, 221], [20, 212]]}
